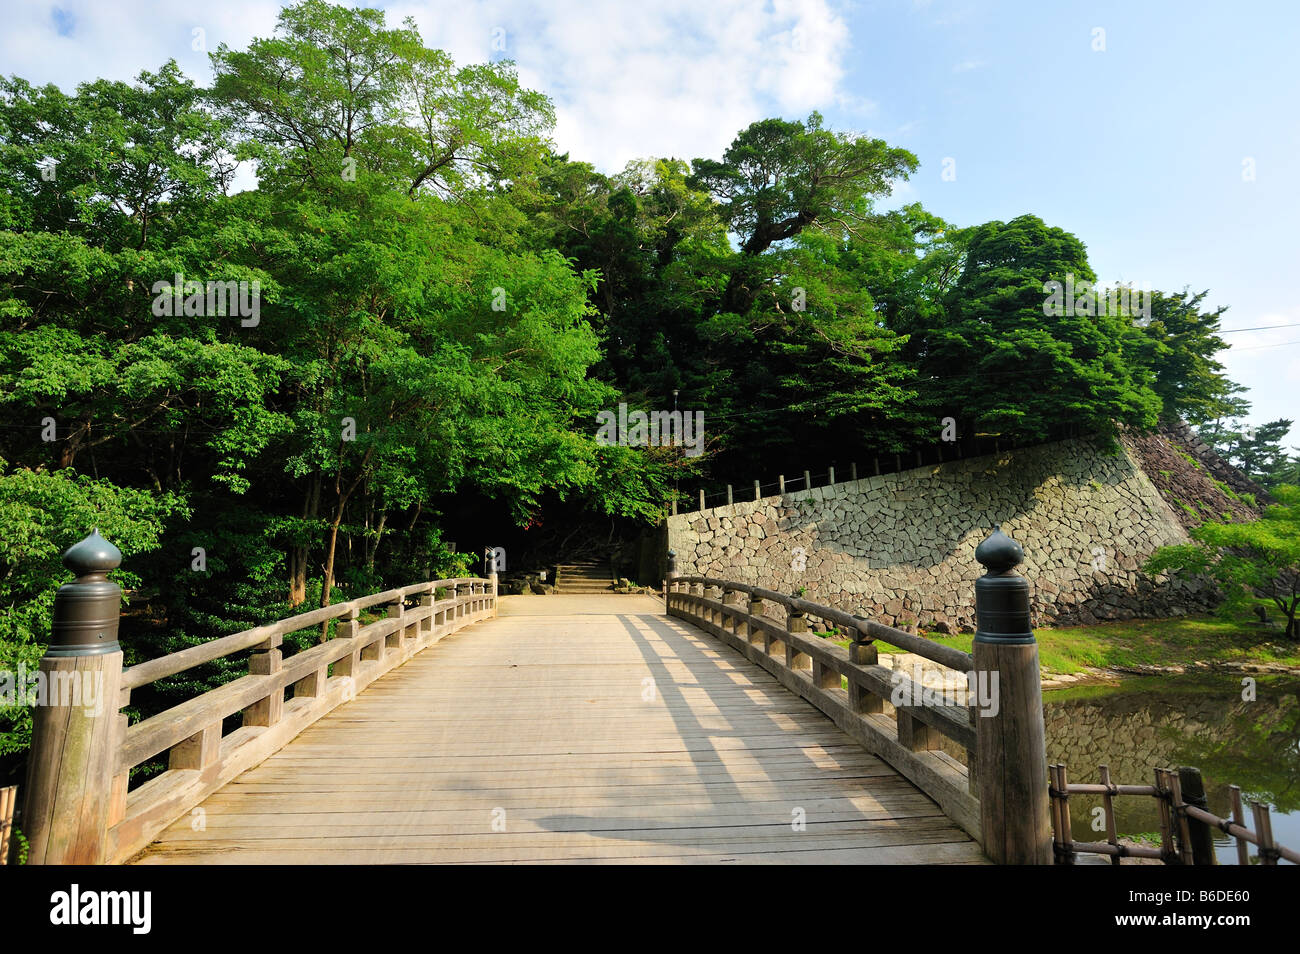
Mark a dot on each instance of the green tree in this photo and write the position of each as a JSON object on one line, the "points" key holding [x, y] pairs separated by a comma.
{"points": [[41, 515], [1255, 451], [1003, 358], [778, 179], [1175, 348], [1259, 559]]}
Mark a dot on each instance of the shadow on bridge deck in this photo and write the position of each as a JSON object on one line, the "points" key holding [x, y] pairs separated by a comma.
{"points": [[571, 729]]}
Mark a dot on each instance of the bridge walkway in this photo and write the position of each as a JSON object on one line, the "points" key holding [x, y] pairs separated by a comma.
{"points": [[570, 729]]}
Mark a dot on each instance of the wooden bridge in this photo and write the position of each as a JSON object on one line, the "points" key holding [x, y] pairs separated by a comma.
{"points": [[463, 727]]}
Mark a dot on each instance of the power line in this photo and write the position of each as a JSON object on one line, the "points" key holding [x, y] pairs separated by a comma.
{"points": [[1233, 331], [1282, 344]]}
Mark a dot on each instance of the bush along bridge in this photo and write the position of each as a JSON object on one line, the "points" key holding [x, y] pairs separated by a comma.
{"points": [[519, 740]]}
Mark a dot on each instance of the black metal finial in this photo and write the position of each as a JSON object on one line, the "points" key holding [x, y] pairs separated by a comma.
{"points": [[999, 553], [1001, 596], [86, 611], [92, 556]]}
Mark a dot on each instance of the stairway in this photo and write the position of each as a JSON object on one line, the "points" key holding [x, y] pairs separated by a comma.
{"points": [[583, 578]]}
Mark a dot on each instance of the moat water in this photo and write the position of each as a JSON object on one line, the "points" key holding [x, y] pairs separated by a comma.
{"points": [[1207, 721]]}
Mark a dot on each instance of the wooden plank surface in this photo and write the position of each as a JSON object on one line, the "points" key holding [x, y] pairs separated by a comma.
{"points": [[589, 729]]}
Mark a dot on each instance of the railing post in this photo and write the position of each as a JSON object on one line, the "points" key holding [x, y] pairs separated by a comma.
{"points": [[730, 598], [74, 752], [350, 665], [701, 498], [1201, 837], [397, 611], [669, 575], [796, 622], [754, 632], [426, 624], [863, 652], [267, 660], [758, 491], [495, 587], [1010, 739]]}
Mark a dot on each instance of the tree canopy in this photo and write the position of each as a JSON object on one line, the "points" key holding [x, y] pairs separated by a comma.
{"points": [[423, 306]]}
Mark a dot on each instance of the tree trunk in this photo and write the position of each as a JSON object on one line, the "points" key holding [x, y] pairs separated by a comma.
{"points": [[298, 555], [332, 535], [373, 547]]}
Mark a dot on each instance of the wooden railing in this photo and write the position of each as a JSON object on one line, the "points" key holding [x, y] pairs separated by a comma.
{"points": [[849, 685], [78, 808], [999, 796], [1186, 836]]}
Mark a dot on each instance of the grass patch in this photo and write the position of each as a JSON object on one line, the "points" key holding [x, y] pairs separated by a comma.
{"points": [[1144, 642]]}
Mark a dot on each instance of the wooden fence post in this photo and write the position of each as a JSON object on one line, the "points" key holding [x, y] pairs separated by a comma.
{"points": [[8, 799], [66, 813], [1010, 738], [1200, 835]]}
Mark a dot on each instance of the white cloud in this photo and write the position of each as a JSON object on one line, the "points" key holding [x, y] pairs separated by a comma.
{"points": [[629, 80], [117, 41]]}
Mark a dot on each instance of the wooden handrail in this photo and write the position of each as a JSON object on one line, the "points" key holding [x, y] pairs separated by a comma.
{"points": [[818, 670], [152, 670], [79, 807], [999, 795], [935, 652]]}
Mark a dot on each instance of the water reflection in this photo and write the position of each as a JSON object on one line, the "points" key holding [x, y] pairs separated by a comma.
{"points": [[1205, 721]]}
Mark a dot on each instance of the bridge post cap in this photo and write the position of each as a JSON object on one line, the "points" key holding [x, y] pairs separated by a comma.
{"points": [[92, 555], [999, 553]]}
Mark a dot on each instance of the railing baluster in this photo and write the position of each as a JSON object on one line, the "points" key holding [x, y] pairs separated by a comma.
{"points": [[1192, 787], [1067, 826], [198, 751], [1238, 816], [1167, 851], [1264, 832], [1108, 809], [267, 660], [796, 622]]}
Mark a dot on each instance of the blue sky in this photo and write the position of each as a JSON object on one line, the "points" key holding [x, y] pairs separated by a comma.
{"points": [[1134, 139]]}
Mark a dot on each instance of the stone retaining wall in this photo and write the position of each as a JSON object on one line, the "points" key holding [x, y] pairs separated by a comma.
{"points": [[900, 548]]}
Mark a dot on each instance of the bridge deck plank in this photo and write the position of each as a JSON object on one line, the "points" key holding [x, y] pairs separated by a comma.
{"points": [[541, 722]]}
